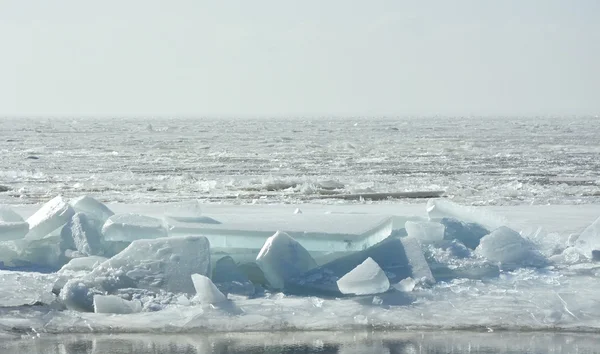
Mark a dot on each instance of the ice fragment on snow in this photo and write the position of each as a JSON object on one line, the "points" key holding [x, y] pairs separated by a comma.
{"points": [[366, 279], [92, 208], [406, 285], [589, 240], [130, 227], [206, 291], [84, 234], [426, 232], [442, 208], [116, 305], [282, 258], [48, 218], [230, 280], [508, 248], [188, 211]]}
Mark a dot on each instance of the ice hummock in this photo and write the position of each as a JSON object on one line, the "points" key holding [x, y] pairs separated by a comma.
{"points": [[510, 249], [164, 264], [282, 258], [131, 227], [50, 217], [206, 291], [366, 279], [589, 240]]}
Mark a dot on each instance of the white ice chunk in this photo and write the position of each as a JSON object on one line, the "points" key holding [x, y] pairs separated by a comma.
{"points": [[366, 279], [48, 218], [508, 248], [282, 258], [426, 232], [589, 240], [24, 288], [82, 264], [92, 208], [441, 208], [206, 291], [130, 227], [116, 305], [230, 279], [406, 285], [164, 263], [85, 235], [189, 211]]}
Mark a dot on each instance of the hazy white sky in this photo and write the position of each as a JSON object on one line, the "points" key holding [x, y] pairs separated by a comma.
{"points": [[299, 57]]}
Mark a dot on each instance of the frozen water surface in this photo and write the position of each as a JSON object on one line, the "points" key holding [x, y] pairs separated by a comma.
{"points": [[491, 161], [498, 257]]}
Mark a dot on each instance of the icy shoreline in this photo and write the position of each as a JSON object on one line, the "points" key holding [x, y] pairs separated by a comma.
{"points": [[554, 297]]}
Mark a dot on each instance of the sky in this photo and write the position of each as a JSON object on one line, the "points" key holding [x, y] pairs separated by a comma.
{"points": [[299, 58]]}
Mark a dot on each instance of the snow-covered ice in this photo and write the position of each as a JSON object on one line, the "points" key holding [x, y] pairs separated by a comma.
{"points": [[366, 279], [282, 258], [130, 227], [116, 305]]}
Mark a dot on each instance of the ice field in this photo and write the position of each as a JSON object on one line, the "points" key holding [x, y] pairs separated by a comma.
{"points": [[182, 226]]}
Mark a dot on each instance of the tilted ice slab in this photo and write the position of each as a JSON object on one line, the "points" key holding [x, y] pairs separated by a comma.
{"points": [[184, 212], [281, 258], [366, 279], [315, 232], [92, 208], [84, 235], [438, 209], [12, 225], [51, 216], [131, 227], [589, 240]]}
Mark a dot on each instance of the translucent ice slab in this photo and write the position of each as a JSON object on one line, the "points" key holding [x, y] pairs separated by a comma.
{"points": [[315, 232]]}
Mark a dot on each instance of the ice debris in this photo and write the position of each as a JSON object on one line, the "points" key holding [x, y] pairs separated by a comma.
{"points": [[206, 291], [131, 227], [366, 279], [282, 258], [467, 233]]}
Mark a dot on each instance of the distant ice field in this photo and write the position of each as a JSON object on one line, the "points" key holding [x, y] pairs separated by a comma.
{"points": [[479, 161]]}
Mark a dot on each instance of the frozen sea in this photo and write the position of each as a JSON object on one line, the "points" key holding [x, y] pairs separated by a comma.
{"points": [[541, 176], [480, 161]]}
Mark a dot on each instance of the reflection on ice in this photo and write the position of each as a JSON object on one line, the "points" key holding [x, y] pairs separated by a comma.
{"points": [[310, 342]]}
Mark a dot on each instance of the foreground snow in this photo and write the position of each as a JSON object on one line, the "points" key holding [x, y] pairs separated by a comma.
{"points": [[514, 276]]}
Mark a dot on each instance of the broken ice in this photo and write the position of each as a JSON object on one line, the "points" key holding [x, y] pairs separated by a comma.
{"points": [[366, 279], [131, 227]]}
